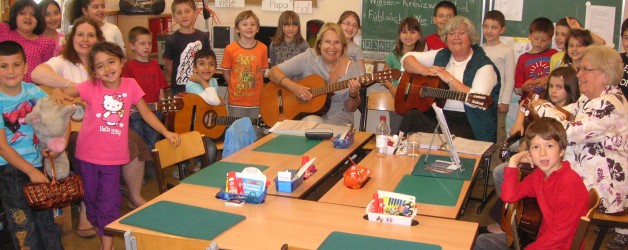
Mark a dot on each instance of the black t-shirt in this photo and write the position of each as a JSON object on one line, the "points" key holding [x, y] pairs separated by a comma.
{"points": [[623, 84], [180, 48]]}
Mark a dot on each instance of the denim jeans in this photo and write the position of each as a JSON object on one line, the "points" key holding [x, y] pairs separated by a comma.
{"points": [[29, 228], [490, 242], [148, 134]]}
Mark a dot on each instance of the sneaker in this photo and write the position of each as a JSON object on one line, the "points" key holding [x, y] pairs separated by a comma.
{"points": [[197, 167], [619, 242]]}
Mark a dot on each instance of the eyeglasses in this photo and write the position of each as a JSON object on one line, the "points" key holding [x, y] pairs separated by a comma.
{"points": [[443, 16], [352, 25], [460, 34], [584, 69], [575, 46]]}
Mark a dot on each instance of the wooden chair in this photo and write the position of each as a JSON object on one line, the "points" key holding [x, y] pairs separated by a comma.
{"points": [[165, 155], [515, 233], [381, 101], [583, 225], [606, 221], [134, 240]]}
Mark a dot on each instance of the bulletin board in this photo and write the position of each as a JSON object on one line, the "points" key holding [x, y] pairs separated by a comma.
{"points": [[557, 9], [381, 18]]}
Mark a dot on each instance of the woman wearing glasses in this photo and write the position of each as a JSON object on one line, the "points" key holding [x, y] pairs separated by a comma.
{"points": [[463, 66]]}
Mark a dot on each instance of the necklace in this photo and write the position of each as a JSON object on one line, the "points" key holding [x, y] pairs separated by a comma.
{"points": [[335, 66]]}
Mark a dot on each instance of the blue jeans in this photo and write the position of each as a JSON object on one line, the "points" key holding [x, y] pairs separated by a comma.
{"points": [[498, 177], [148, 134], [34, 229], [490, 242]]}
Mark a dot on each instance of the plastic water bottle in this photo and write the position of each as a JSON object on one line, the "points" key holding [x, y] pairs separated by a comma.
{"points": [[381, 136]]}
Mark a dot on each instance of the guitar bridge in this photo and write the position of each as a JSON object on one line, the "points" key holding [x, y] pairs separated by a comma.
{"points": [[280, 101]]}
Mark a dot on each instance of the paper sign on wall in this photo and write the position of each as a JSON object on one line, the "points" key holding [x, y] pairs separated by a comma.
{"points": [[229, 3], [277, 5], [303, 7]]}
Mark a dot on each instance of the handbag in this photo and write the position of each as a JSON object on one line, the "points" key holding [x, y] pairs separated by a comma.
{"points": [[54, 194], [142, 7]]}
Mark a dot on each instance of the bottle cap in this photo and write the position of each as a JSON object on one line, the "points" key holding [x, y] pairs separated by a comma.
{"points": [[382, 118]]}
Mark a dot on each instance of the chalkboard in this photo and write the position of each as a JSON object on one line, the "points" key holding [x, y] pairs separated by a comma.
{"points": [[557, 9], [381, 18]]}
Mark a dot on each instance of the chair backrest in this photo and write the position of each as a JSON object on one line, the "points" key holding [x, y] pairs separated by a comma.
{"points": [[140, 240], [165, 154], [583, 225], [515, 233], [381, 101]]}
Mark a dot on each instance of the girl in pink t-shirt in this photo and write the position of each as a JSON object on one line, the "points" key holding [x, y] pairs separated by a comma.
{"points": [[102, 145], [51, 11]]}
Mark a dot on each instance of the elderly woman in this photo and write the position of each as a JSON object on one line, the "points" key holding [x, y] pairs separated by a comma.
{"points": [[598, 136], [463, 66], [69, 69], [328, 60]]}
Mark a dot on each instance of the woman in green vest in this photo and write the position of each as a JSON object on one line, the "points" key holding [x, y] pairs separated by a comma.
{"points": [[464, 67]]}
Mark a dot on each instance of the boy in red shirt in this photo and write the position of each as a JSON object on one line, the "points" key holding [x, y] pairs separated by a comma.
{"points": [[442, 12], [533, 67]]}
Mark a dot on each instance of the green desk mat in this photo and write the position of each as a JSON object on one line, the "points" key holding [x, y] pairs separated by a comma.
{"points": [[183, 220], [214, 175], [467, 165], [431, 190], [288, 144], [340, 240]]}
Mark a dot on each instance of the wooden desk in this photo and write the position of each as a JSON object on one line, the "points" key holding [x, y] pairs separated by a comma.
{"points": [[327, 159], [386, 173], [304, 224]]}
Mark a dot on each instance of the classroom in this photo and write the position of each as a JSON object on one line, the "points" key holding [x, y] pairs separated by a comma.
{"points": [[314, 124]]}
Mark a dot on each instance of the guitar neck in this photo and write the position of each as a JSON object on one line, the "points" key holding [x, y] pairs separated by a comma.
{"points": [[333, 87], [443, 93]]}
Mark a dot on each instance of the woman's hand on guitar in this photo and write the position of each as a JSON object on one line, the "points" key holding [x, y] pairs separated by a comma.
{"points": [[521, 157], [354, 87], [302, 92]]}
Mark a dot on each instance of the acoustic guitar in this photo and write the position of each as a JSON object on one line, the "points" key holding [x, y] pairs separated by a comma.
{"points": [[528, 217], [279, 103], [197, 115], [419, 92], [166, 105]]}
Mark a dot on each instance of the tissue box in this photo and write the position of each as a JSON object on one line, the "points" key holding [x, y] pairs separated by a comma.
{"points": [[344, 143], [288, 186], [356, 176], [394, 219]]}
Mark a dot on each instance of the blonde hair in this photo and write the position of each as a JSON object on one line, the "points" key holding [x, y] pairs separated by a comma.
{"points": [[243, 16], [606, 60], [288, 18], [454, 23], [334, 28]]}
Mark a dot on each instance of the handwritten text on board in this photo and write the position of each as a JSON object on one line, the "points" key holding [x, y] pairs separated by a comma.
{"points": [[277, 5], [303, 7], [229, 3]]}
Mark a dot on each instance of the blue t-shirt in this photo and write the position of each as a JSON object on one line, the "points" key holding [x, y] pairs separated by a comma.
{"points": [[197, 88], [20, 136]]}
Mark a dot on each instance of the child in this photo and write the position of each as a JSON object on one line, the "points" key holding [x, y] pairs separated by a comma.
{"points": [[409, 33], [623, 84], [95, 9], [288, 41], [182, 44], [51, 11], [244, 62], [102, 144], [564, 26], [350, 23], [577, 42], [558, 190], [26, 24], [442, 12], [533, 66], [503, 57], [148, 75], [201, 82], [20, 160]]}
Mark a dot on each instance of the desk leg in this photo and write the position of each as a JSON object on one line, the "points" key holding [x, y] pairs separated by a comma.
{"points": [[486, 162]]}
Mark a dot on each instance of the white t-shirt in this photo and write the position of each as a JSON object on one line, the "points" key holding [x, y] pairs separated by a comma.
{"points": [[68, 70], [503, 56], [112, 34]]}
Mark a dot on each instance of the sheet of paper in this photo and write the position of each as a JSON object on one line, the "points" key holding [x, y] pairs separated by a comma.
{"points": [[292, 127], [601, 20], [303, 7], [277, 5], [512, 9], [229, 3]]}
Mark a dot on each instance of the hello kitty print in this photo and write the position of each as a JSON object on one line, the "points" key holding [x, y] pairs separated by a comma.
{"points": [[113, 114]]}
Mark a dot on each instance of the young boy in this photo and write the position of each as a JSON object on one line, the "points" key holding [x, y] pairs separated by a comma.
{"points": [[533, 66], [20, 160], [503, 57], [442, 12], [148, 75], [182, 44], [244, 63], [559, 190]]}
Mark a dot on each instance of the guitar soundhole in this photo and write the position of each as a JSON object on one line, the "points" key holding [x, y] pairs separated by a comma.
{"points": [[209, 119]]}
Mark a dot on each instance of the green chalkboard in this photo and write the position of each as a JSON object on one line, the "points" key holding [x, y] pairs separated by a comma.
{"points": [[557, 9], [380, 19]]}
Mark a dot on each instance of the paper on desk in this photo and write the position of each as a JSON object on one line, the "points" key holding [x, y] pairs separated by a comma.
{"points": [[294, 127], [462, 145]]}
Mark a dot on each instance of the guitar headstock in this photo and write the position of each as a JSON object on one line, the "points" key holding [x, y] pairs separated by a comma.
{"points": [[387, 75], [170, 104], [482, 101]]}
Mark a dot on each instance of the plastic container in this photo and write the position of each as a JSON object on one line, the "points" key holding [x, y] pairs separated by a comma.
{"points": [[381, 136], [356, 176], [392, 219], [345, 143], [288, 186], [250, 198]]}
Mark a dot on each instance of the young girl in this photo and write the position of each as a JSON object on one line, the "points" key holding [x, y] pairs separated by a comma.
{"points": [[564, 26], [350, 23], [102, 144], [51, 11], [410, 39], [26, 24], [288, 40], [575, 45], [95, 9]]}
